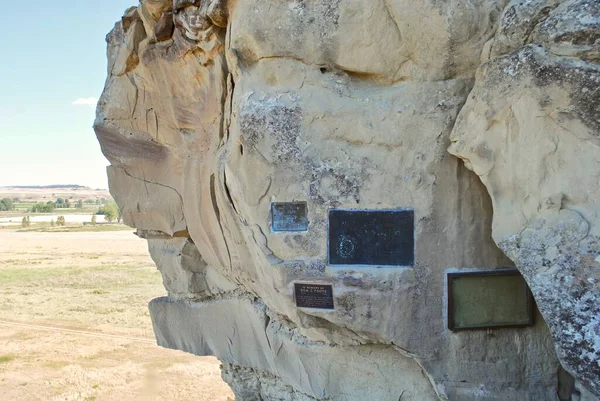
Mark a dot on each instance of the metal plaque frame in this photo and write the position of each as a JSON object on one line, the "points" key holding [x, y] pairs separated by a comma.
{"points": [[451, 276], [403, 254], [289, 223], [322, 293]]}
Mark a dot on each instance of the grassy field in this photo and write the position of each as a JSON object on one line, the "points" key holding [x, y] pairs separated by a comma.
{"points": [[20, 212], [23, 207], [45, 227], [74, 323], [79, 228]]}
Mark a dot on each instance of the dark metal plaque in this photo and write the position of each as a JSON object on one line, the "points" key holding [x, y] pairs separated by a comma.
{"points": [[313, 295], [289, 216], [488, 299], [371, 237]]}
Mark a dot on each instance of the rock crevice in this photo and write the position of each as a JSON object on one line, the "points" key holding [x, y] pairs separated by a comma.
{"points": [[227, 108]]}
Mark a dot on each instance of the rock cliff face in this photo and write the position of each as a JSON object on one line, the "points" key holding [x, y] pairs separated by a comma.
{"points": [[531, 131], [216, 111]]}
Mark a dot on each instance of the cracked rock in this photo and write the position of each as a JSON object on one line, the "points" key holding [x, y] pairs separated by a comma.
{"points": [[354, 105]]}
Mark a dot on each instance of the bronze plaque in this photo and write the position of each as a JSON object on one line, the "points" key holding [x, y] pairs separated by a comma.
{"points": [[371, 237], [289, 216], [313, 295], [488, 299]]}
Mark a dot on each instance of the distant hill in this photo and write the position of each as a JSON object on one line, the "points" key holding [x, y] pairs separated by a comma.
{"points": [[44, 193]]}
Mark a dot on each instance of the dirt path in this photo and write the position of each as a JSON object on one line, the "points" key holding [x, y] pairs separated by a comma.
{"points": [[74, 324], [80, 332]]}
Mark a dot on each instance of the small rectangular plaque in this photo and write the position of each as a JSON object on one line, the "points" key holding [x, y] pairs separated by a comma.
{"points": [[313, 295], [289, 216], [371, 237], [488, 299]]}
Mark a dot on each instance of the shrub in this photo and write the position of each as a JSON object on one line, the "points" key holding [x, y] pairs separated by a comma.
{"points": [[111, 211], [43, 207], [6, 205]]}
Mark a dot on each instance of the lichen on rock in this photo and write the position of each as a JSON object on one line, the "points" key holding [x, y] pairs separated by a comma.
{"points": [[213, 111], [530, 131]]}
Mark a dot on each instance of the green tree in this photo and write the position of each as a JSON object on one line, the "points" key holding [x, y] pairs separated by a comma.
{"points": [[43, 207], [111, 211], [60, 221], [6, 205], [26, 222], [94, 220], [79, 204]]}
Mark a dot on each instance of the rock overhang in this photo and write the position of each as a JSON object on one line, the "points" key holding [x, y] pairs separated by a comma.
{"points": [[205, 130]]}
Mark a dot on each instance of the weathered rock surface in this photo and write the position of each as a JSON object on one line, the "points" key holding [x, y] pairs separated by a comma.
{"points": [[243, 333], [530, 130], [214, 110]]}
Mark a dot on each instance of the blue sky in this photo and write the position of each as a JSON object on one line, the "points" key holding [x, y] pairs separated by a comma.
{"points": [[53, 53]]}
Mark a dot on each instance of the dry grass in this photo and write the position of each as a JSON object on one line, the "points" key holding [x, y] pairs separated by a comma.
{"points": [[77, 228], [6, 358], [55, 284]]}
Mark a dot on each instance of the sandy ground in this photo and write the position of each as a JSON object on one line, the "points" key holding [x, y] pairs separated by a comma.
{"points": [[74, 323]]}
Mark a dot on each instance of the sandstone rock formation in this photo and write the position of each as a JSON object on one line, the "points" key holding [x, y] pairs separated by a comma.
{"points": [[215, 110], [530, 130]]}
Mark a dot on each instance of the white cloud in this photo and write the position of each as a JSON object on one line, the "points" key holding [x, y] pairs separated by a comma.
{"points": [[85, 101]]}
